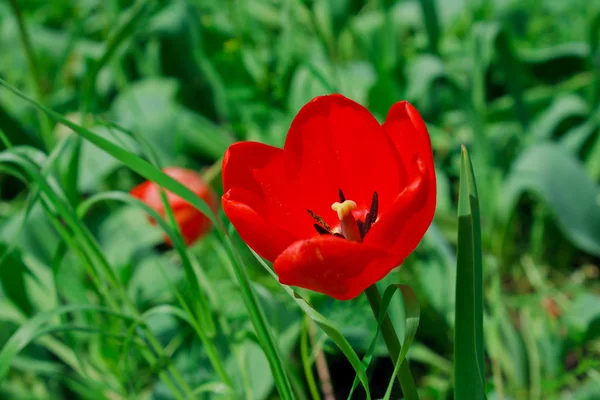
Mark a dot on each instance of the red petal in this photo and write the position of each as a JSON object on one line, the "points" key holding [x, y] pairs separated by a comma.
{"points": [[335, 143], [402, 227], [334, 266], [408, 132], [243, 163], [139, 192], [246, 211], [258, 168]]}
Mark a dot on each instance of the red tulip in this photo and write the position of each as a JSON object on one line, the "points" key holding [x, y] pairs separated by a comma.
{"points": [[343, 203], [192, 223]]}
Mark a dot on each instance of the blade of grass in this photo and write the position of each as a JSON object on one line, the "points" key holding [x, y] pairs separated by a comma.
{"points": [[34, 68], [29, 331], [124, 31], [413, 315], [85, 245], [307, 362], [512, 75], [330, 330], [201, 324], [594, 40], [393, 344], [468, 334], [432, 25]]}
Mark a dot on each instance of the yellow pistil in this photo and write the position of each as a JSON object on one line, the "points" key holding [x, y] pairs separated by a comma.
{"points": [[347, 222]]}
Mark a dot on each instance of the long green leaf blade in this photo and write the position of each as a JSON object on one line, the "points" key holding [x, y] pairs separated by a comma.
{"points": [[468, 334]]}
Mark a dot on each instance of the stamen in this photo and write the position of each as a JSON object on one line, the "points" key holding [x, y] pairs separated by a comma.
{"points": [[372, 214], [342, 197], [361, 228], [321, 230], [319, 220], [347, 221]]}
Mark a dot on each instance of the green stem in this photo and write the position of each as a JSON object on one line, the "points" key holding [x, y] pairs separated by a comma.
{"points": [[35, 73], [405, 377]]}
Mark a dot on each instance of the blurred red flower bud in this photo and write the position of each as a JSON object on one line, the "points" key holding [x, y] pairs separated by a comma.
{"points": [[192, 223]]}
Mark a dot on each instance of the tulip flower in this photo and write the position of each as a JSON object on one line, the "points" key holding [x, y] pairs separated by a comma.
{"points": [[343, 203], [192, 223]]}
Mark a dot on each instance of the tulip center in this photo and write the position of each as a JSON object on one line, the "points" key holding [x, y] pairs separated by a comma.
{"points": [[349, 228]]}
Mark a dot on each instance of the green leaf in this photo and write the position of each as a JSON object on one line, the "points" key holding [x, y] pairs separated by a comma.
{"points": [[557, 178], [468, 327], [583, 317], [12, 278], [562, 108], [491, 39], [432, 24]]}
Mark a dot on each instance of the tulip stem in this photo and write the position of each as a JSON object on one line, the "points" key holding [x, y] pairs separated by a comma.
{"points": [[405, 377]]}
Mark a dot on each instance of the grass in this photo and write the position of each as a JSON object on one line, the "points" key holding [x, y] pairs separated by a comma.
{"points": [[97, 96]]}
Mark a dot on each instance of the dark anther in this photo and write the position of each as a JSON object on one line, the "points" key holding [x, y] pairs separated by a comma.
{"points": [[342, 197], [361, 228], [371, 215], [321, 230], [319, 220], [374, 207], [339, 235]]}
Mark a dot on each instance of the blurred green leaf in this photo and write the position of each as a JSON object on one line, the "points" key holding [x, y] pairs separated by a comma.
{"points": [[557, 178], [12, 278], [583, 317], [562, 108]]}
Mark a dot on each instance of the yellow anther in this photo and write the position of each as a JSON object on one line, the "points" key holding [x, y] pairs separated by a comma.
{"points": [[344, 208]]}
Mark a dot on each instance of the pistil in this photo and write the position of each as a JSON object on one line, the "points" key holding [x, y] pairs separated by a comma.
{"points": [[348, 223]]}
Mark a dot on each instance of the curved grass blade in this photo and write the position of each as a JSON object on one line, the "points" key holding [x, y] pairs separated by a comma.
{"points": [[330, 330], [204, 325], [306, 361], [413, 314], [201, 307], [30, 330], [468, 332], [55, 204]]}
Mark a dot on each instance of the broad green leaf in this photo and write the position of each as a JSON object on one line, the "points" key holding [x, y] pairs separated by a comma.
{"points": [[469, 375], [562, 108], [554, 63], [583, 317], [557, 178]]}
